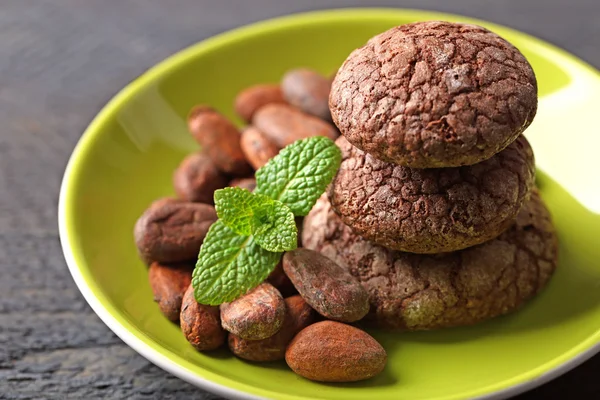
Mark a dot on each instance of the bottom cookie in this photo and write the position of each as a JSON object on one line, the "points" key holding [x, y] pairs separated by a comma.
{"points": [[430, 291]]}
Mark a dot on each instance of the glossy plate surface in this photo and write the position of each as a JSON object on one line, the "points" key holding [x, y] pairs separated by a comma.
{"points": [[126, 157]]}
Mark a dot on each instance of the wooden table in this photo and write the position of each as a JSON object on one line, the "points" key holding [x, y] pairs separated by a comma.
{"points": [[60, 61]]}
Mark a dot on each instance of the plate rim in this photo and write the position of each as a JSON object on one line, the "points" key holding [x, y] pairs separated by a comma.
{"points": [[137, 339]]}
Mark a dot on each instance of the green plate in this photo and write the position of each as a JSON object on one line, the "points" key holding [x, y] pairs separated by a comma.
{"points": [[126, 157]]}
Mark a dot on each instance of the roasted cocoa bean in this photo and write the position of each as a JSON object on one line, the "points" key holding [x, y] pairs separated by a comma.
{"points": [[257, 148], [220, 139], [298, 316], [330, 351], [197, 178], [171, 231], [244, 183], [200, 323], [254, 97], [330, 289], [279, 279], [284, 124], [256, 315], [308, 90], [169, 283]]}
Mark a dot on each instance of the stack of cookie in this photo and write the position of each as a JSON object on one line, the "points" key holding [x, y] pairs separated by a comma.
{"points": [[434, 208]]}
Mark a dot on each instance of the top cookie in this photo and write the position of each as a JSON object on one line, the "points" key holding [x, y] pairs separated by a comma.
{"points": [[434, 94]]}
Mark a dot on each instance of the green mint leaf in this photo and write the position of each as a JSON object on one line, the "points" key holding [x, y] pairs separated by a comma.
{"points": [[236, 207], [300, 173], [245, 213], [276, 228], [229, 265]]}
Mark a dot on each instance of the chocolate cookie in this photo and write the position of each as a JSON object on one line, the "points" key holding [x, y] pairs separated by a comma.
{"points": [[431, 210], [434, 94], [421, 292]]}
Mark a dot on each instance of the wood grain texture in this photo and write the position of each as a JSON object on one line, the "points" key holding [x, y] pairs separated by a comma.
{"points": [[60, 62]]}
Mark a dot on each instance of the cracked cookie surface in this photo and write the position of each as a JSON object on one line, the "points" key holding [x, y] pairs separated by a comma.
{"points": [[434, 94], [431, 210], [422, 292]]}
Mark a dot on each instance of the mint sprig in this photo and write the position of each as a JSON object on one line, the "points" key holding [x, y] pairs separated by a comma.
{"points": [[238, 208], [277, 230], [229, 265], [299, 174], [269, 221], [245, 244]]}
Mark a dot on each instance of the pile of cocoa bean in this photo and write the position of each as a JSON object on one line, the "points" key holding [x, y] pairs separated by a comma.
{"points": [[302, 312]]}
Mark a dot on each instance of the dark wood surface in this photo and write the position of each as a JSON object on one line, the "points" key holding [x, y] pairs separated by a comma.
{"points": [[60, 61]]}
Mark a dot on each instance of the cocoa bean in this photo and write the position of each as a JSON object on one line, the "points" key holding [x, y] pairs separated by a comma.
{"points": [[330, 351], [220, 138], [298, 316], [284, 124], [256, 315], [200, 323], [197, 178], [171, 231], [169, 283], [257, 148], [330, 289], [254, 97], [308, 90]]}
